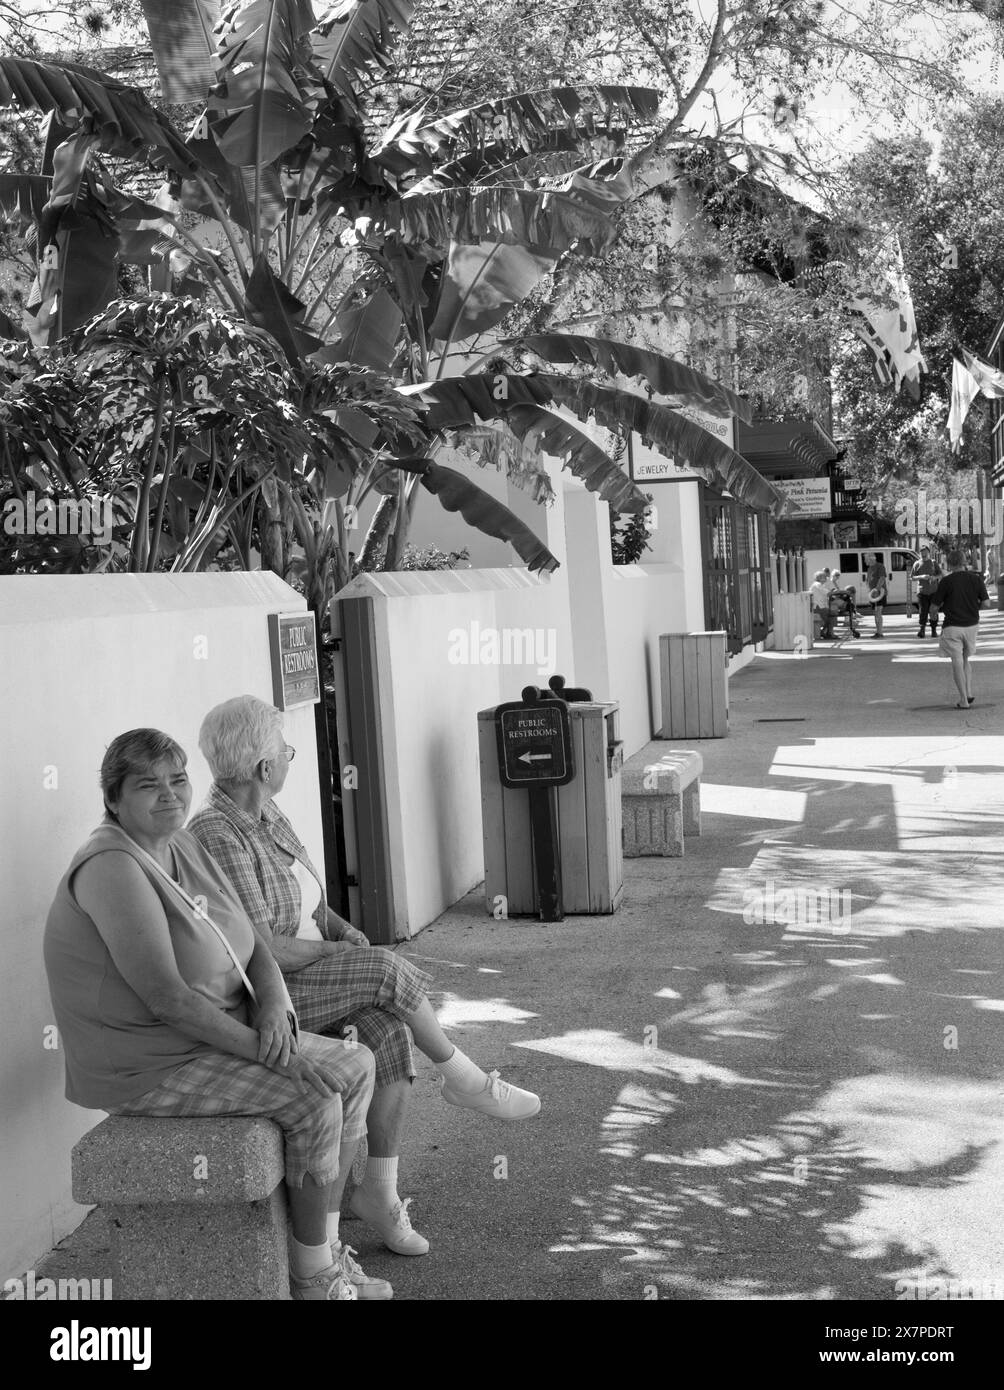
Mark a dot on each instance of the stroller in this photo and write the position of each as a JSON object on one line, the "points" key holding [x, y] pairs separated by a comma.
{"points": [[842, 605]]}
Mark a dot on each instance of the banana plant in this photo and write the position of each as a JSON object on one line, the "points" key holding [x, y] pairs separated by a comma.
{"points": [[396, 250]]}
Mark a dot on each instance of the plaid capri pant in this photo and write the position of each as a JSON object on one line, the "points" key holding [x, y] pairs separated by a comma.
{"points": [[370, 989], [313, 1126]]}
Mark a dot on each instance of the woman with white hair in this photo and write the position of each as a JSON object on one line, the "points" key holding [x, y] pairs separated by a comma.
{"points": [[336, 980]]}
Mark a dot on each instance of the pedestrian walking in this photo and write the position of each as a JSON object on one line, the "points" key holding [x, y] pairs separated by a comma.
{"points": [[926, 573], [959, 597], [819, 597], [877, 584]]}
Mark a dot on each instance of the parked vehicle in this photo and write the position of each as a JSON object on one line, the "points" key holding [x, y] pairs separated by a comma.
{"points": [[850, 566]]}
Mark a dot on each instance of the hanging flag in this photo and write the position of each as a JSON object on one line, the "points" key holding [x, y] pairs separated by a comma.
{"points": [[884, 301], [989, 381], [882, 366], [965, 389]]}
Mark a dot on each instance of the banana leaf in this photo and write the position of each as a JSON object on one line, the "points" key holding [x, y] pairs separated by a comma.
{"points": [[490, 395], [671, 434], [269, 305], [525, 122], [258, 108], [482, 511], [181, 35], [503, 164], [367, 335], [543, 218], [665, 375], [406, 269], [481, 285], [354, 39], [459, 402], [122, 118], [496, 446], [24, 194]]}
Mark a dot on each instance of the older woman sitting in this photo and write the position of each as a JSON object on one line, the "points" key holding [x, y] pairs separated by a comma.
{"points": [[336, 980], [169, 1003]]}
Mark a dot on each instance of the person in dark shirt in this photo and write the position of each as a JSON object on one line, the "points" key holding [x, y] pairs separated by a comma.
{"points": [[926, 573], [959, 598]]}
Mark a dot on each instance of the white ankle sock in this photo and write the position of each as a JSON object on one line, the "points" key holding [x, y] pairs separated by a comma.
{"points": [[308, 1260], [333, 1227], [461, 1074], [381, 1178]]}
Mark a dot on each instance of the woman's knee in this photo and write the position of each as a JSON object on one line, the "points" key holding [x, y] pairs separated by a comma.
{"points": [[388, 961]]}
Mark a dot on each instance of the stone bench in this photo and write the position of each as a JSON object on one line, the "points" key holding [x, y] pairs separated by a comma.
{"points": [[196, 1208], [660, 802]]}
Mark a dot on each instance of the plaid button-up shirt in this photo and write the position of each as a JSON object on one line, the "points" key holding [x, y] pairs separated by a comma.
{"points": [[248, 853]]}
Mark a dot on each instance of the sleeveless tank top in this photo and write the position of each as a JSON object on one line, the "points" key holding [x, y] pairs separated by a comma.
{"points": [[114, 1048]]}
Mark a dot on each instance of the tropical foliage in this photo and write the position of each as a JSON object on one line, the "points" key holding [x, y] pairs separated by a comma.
{"points": [[355, 237], [189, 425]]}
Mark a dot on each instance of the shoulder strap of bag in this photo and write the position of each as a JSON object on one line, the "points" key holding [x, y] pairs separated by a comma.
{"points": [[200, 911]]}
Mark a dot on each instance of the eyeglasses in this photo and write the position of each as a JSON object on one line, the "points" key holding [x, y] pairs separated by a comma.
{"points": [[290, 752]]}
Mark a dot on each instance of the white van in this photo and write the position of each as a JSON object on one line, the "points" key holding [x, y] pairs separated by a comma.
{"points": [[851, 565]]}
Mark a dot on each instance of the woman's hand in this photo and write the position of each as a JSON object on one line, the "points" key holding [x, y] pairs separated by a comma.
{"points": [[305, 1074], [276, 1043], [353, 937]]}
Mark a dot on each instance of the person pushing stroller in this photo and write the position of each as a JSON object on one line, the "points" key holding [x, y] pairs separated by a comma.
{"points": [[841, 602]]}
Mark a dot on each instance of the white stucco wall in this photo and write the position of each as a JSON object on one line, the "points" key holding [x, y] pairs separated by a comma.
{"points": [[620, 611], [435, 672], [82, 659]]}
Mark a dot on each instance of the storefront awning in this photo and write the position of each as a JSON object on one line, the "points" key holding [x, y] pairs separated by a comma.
{"points": [[779, 448]]}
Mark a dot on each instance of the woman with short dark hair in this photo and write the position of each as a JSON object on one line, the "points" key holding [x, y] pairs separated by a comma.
{"points": [[168, 1003]]}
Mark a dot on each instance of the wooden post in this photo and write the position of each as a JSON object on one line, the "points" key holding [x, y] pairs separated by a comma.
{"points": [[544, 832]]}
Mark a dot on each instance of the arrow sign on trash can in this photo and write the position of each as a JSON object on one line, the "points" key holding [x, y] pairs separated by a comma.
{"points": [[534, 743]]}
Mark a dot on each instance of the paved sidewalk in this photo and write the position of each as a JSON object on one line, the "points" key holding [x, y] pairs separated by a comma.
{"points": [[746, 1094]]}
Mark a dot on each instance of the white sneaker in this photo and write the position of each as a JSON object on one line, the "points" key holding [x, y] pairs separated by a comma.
{"points": [[496, 1098], [392, 1223], [330, 1284], [367, 1288]]}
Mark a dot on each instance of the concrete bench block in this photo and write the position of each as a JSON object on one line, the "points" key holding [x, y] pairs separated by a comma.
{"points": [[661, 802], [652, 827], [196, 1207]]}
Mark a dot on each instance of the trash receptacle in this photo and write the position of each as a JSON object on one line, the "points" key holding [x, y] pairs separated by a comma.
{"points": [[694, 685], [1000, 595], [589, 820], [793, 620]]}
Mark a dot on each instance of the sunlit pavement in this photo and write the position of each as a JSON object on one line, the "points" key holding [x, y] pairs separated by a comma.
{"points": [[807, 1107], [748, 1091]]}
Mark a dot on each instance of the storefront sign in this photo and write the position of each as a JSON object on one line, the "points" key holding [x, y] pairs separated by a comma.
{"points": [[296, 671], [723, 427], [534, 744], [808, 496], [843, 533], [659, 469]]}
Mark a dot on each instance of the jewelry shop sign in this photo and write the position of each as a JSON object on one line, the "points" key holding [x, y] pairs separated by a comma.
{"points": [[296, 671], [662, 468]]}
